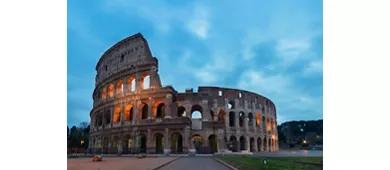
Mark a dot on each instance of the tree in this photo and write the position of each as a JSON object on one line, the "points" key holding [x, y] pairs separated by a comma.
{"points": [[67, 132]]}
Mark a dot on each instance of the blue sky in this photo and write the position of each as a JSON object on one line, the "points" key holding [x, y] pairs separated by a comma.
{"points": [[273, 48]]}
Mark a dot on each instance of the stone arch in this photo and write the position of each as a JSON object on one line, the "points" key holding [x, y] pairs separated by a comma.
{"points": [[252, 144], [213, 143], [111, 90], [250, 119], [221, 115], [268, 124], [115, 144], [159, 143], [141, 141], [181, 111], [241, 117], [232, 119], [159, 109], [116, 117], [258, 119], [243, 143], [272, 144], [131, 84], [196, 112], [119, 87], [128, 114], [197, 141], [269, 145], [176, 143], [105, 145], [143, 112], [127, 144], [264, 123], [145, 82], [99, 119], [233, 144], [107, 117], [231, 105], [104, 93], [259, 144]]}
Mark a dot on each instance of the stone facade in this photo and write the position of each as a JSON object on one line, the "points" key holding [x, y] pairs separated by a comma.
{"points": [[130, 117]]}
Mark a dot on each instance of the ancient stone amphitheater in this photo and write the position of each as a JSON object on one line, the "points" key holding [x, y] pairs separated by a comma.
{"points": [[134, 113]]}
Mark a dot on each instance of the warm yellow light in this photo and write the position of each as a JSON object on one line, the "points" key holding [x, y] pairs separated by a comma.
{"points": [[304, 141], [81, 142]]}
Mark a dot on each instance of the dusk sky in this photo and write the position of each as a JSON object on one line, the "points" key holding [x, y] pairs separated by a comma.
{"points": [[273, 48]]}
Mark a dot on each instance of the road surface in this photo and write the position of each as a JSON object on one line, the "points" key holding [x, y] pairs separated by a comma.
{"points": [[194, 163]]}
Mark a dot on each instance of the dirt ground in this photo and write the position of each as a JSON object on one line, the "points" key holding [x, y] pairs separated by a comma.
{"points": [[119, 163]]}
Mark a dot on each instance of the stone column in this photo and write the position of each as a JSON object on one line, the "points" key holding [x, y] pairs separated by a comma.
{"points": [[150, 108], [221, 141], [186, 142], [154, 78], [149, 141], [227, 117], [112, 114], [120, 147], [246, 121], [248, 143], [122, 113], [255, 148], [237, 119], [135, 112], [168, 106], [167, 145], [124, 86]]}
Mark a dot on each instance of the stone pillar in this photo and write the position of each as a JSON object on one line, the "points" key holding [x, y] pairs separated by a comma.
{"points": [[246, 121], [255, 148], [150, 108], [149, 142], [124, 86], [122, 114], [226, 109], [237, 119], [155, 81], [186, 142], [167, 145], [135, 112], [112, 114], [120, 147], [168, 106], [248, 143]]}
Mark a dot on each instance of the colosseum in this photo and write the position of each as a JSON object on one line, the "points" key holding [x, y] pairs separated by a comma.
{"points": [[134, 113]]}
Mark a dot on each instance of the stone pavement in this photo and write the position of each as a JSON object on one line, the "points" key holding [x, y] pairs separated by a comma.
{"points": [[194, 163], [117, 163]]}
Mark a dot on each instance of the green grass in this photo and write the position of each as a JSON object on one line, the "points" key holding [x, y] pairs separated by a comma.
{"points": [[248, 163]]}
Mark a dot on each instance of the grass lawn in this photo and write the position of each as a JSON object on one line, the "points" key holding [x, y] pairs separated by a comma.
{"points": [[249, 163]]}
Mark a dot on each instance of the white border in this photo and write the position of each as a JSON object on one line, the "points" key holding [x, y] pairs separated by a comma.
{"points": [[356, 84], [33, 81], [33, 74]]}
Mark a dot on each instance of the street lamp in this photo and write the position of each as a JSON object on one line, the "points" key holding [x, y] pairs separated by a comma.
{"points": [[304, 141]]}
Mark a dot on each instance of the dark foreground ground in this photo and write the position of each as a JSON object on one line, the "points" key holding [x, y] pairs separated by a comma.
{"points": [[285, 163]]}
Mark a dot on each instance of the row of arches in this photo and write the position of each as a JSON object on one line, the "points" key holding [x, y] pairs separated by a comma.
{"points": [[158, 110], [255, 144], [119, 88]]}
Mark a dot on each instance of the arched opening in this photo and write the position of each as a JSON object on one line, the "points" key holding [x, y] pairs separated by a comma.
{"points": [[264, 124], [104, 93], [212, 114], [272, 124], [250, 119], [181, 111], [145, 83], [144, 111], [241, 119], [231, 105], [128, 115], [268, 125], [119, 87], [265, 144], [259, 144], [117, 115], [99, 119], [159, 109], [272, 145], [221, 115], [115, 144], [159, 143], [176, 143], [196, 112], [258, 119], [131, 84], [232, 119], [242, 143], [233, 144], [197, 140], [213, 143], [111, 90], [141, 143], [269, 145], [252, 145], [127, 144], [105, 145], [107, 117]]}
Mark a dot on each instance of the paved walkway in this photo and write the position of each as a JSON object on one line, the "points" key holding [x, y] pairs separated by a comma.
{"points": [[118, 163], [194, 163]]}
